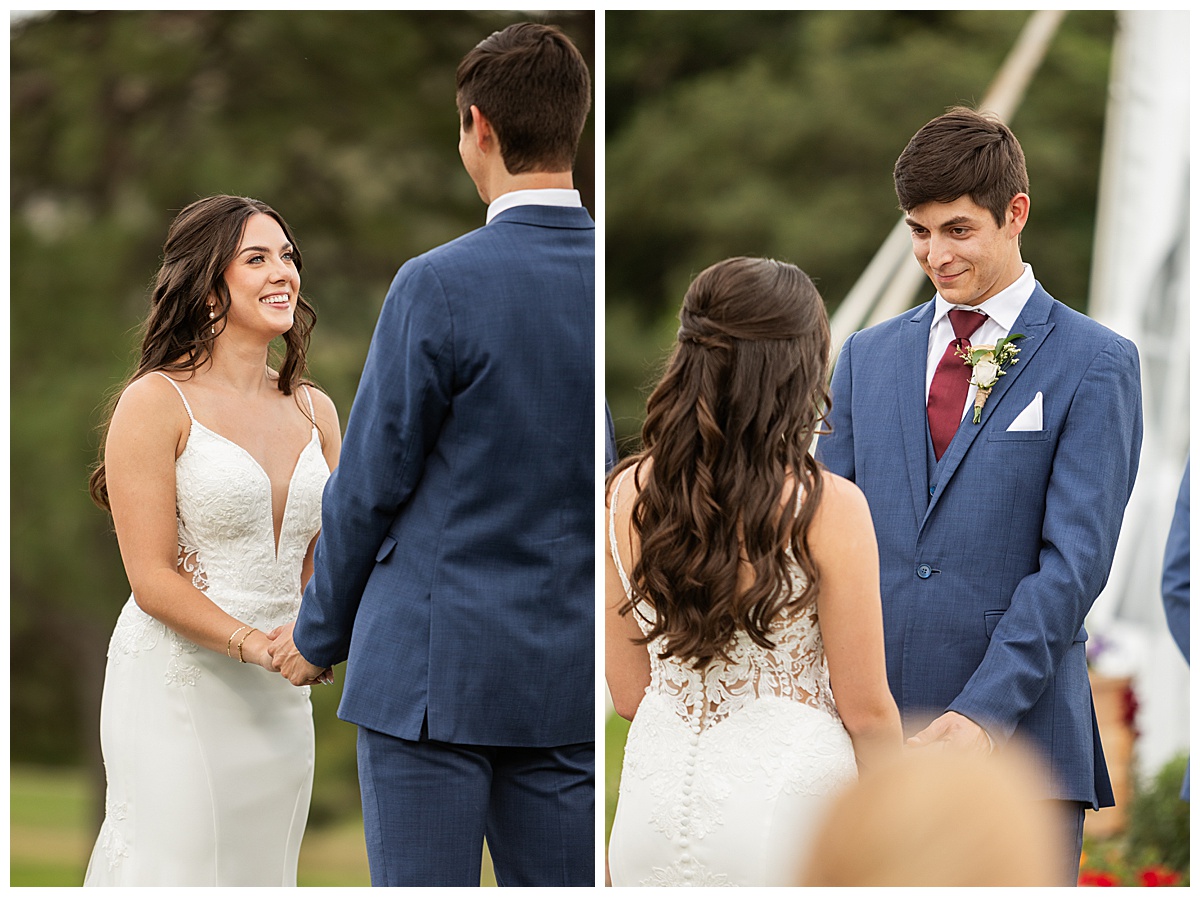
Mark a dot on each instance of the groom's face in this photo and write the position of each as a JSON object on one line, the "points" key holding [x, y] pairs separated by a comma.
{"points": [[966, 256]]}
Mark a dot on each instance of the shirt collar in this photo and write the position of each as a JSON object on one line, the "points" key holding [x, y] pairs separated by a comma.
{"points": [[1003, 308], [547, 196]]}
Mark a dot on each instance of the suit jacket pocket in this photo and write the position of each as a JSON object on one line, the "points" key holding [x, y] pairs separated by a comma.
{"points": [[385, 548], [992, 617], [1018, 435]]}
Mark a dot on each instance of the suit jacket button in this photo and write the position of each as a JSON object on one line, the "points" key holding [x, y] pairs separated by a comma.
{"points": [[924, 571]]}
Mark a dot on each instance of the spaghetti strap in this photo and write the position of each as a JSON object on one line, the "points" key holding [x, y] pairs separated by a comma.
{"points": [[191, 417], [312, 414], [612, 531]]}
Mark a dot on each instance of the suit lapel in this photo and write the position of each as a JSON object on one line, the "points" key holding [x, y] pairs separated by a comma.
{"points": [[910, 387], [1035, 324]]}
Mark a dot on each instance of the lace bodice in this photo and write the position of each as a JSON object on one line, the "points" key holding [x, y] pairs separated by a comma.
{"points": [[227, 533], [795, 669]]}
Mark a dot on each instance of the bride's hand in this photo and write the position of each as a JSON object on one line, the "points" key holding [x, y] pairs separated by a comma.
{"points": [[254, 650], [326, 678], [286, 659]]}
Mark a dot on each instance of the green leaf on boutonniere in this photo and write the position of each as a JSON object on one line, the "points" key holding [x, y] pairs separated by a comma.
{"points": [[987, 366], [1005, 340]]}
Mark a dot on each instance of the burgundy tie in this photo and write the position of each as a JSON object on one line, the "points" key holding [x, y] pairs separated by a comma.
{"points": [[951, 379]]}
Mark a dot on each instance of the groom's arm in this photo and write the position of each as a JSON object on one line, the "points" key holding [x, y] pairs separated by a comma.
{"points": [[402, 400], [1176, 577], [836, 449], [1094, 465]]}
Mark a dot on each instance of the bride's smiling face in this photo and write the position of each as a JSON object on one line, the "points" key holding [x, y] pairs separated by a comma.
{"points": [[263, 280]]}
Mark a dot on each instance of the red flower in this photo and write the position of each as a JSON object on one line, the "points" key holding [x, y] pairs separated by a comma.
{"points": [[1093, 879], [1158, 877], [1130, 706]]}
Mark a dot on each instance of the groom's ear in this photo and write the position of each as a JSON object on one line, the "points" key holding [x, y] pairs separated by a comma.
{"points": [[482, 131], [1018, 213]]}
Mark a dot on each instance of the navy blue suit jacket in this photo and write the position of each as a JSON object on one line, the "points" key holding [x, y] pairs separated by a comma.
{"points": [[1177, 574], [1177, 580], [988, 573], [455, 563]]}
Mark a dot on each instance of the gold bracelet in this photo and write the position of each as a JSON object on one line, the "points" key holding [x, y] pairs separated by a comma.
{"points": [[229, 644], [241, 659]]}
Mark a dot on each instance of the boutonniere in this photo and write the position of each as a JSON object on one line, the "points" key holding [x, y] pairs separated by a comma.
{"points": [[987, 366]]}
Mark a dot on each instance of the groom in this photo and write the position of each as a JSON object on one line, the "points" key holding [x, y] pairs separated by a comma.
{"points": [[455, 564], [996, 513]]}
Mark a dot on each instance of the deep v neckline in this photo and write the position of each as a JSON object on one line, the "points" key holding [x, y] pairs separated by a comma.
{"points": [[276, 536]]}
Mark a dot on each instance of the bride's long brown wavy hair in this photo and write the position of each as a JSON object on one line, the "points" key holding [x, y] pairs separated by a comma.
{"points": [[734, 415], [178, 334]]}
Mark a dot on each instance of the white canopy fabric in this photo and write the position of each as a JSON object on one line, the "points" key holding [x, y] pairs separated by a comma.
{"points": [[1140, 288]]}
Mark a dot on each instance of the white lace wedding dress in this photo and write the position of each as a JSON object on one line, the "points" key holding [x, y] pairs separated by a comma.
{"points": [[728, 769], [209, 761]]}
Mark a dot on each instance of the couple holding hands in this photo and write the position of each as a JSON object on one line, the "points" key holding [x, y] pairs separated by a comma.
{"points": [[454, 564]]}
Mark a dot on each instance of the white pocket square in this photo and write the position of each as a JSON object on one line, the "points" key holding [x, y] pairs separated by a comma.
{"points": [[1030, 418]]}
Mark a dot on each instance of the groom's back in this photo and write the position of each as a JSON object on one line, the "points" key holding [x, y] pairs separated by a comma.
{"points": [[514, 462], [492, 566]]}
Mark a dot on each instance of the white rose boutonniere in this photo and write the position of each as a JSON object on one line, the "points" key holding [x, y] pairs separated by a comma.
{"points": [[987, 366]]}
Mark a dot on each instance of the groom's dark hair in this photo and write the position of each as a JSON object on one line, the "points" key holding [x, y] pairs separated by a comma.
{"points": [[533, 85], [962, 153]]}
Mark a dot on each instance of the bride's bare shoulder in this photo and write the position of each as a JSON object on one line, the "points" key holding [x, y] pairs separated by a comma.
{"points": [[149, 411], [628, 479], [840, 488], [153, 392], [834, 489], [842, 511]]}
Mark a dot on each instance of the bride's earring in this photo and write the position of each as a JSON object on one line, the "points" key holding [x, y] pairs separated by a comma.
{"points": [[211, 315]]}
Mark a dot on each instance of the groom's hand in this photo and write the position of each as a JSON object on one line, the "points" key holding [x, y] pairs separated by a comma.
{"points": [[287, 659], [953, 730]]}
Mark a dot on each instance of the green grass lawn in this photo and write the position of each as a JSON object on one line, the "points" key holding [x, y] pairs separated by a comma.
{"points": [[615, 731], [49, 840], [52, 831]]}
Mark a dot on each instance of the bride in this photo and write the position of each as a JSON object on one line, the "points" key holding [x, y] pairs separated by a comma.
{"points": [[213, 469], [744, 633]]}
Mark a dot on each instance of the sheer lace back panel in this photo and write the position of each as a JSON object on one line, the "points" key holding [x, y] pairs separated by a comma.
{"points": [[226, 523], [794, 670]]}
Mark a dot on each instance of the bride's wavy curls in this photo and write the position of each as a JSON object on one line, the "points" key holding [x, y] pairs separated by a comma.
{"points": [[744, 393], [178, 334]]}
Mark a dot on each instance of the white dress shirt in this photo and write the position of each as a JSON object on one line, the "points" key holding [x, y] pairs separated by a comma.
{"points": [[547, 196], [1002, 311]]}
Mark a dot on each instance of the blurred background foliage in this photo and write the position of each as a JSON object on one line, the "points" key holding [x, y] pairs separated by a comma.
{"points": [[342, 121], [774, 134]]}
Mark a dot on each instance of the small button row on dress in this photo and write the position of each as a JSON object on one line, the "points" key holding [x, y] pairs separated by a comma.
{"points": [[687, 861]]}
